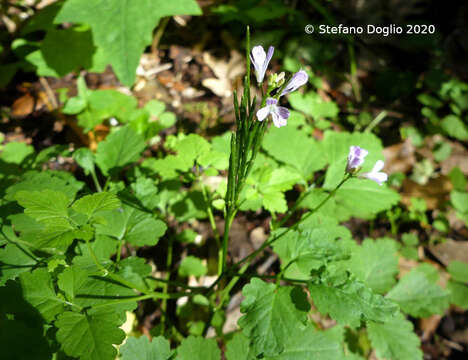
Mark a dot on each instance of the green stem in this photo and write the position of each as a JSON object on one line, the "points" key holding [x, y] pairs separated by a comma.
{"points": [[382, 115], [166, 284], [95, 180], [154, 295], [209, 210]]}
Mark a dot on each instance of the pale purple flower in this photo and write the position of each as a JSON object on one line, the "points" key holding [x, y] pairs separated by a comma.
{"points": [[260, 60], [279, 114], [375, 174], [355, 158], [298, 79]]}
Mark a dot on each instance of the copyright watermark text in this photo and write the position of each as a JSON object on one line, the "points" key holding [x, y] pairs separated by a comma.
{"points": [[382, 30]]}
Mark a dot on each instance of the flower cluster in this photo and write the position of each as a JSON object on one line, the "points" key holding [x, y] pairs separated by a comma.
{"points": [[356, 159], [260, 61]]}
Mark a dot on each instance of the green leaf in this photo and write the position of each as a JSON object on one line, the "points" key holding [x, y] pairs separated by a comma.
{"points": [[313, 105], [303, 152], [136, 227], [459, 200], [16, 152], [85, 158], [191, 265], [143, 349], [455, 127], [375, 263], [419, 295], [65, 50], [44, 206], [92, 204], [458, 294], [271, 315], [120, 148], [311, 249], [123, 29], [89, 337], [238, 348], [71, 280], [457, 178], [198, 348], [46, 180], [395, 339], [310, 344], [371, 198], [350, 302], [458, 271], [38, 290], [13, 262]]}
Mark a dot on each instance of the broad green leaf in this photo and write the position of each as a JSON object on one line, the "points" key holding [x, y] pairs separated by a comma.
{"points": [[44, 206], [458, 271], [191, 265], [142, 349], [13, 262], [191, 205], [455, 127], [395, 339], [295, 148], [459, 200], [371, 198], [120, 148], [71, 280], [65, 50], [350, 302], [135, 269], [198, 348], [309, 250], [375, 263], [123, 28], [89, 337], [419, 295], [46, 180], [85, 158], [313, 105], [310, 344], [38, 290], [137, 227], [458, 294], [92, 204], [271, 315], [238, 348], [16, 152]]}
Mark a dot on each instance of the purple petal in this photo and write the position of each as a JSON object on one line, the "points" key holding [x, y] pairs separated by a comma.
{"points": [[298, 79], [271, 101], [282, 112], [278, 121]]}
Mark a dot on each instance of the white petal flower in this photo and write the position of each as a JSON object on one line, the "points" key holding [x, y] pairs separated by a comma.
{"points": [[279, 114], [375, 174], [260, 61]]}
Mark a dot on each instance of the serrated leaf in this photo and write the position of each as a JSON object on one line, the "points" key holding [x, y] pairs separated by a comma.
{"points": [[136, 227], [13, 262], [16, 152], [198, 348], [191, 265], [46, 180], [310, 344], [92, 204], [395, 339], [238, 348], [455, 127], [89, 337], [143, 349], [71, 280], [44, 206], [271, 315], [123, 28], [419, 295], [375, 263], [351, 302], [313, 105], [310, 249], [295, 148], [38, 290], [120, 148]]}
